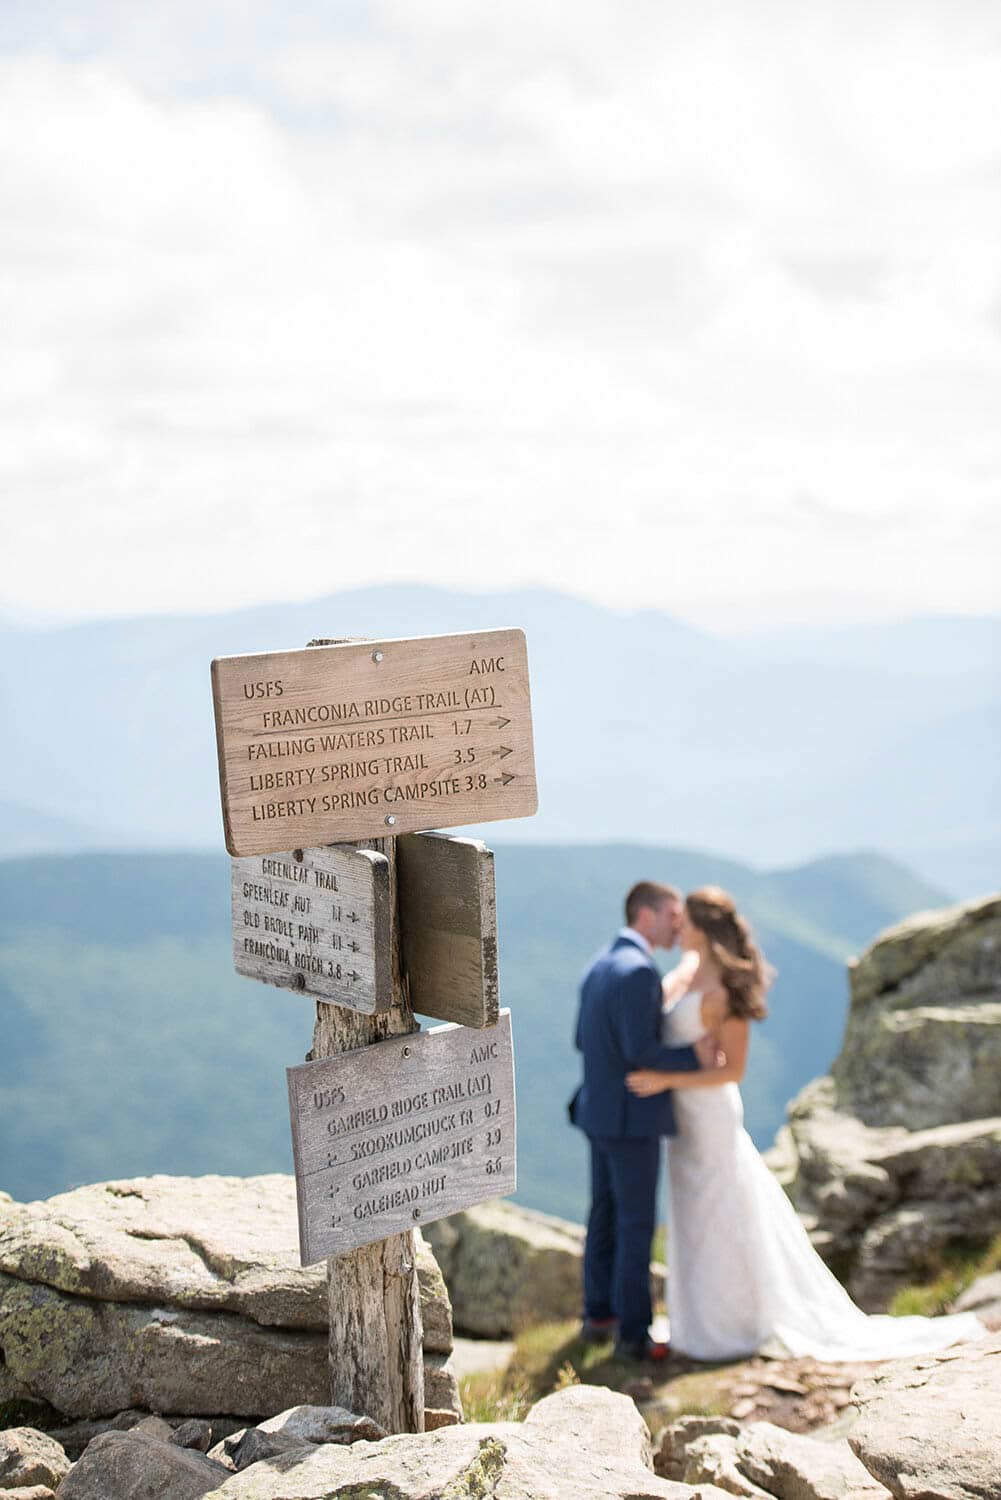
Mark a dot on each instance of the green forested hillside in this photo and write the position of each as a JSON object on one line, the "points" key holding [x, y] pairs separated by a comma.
{"points": [[130, 1046]]}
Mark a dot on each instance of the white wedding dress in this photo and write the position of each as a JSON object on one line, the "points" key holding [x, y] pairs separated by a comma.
{"points": [[743, 1276]]}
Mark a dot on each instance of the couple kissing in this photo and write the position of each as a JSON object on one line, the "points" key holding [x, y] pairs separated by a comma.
{"points": [[663, 1059]]}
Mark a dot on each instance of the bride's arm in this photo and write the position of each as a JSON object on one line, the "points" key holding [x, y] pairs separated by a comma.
{"points": [[733, 1040], [677, 980]]}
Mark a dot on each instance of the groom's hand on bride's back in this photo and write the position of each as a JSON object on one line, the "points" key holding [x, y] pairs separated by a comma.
{"points": [[709, 1053]]}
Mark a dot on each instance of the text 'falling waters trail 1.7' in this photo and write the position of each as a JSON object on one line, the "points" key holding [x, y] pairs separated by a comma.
{"points": [[380, 741]]}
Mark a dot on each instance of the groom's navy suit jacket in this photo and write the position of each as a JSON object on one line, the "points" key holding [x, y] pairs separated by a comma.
{"points": [[619, 1029]]}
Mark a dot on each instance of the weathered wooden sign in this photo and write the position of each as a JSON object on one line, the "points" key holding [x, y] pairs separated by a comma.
{"points": [[316, 920], [401, 1132], [448, 921], [337, 743]]}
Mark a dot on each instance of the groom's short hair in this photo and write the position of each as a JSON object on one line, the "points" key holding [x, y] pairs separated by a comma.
{"points": [[648, 893]]}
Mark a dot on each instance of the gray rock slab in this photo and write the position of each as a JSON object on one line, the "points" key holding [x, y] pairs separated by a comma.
{"points": [[581, 1447], [923, 1036], [983, 1297], [912, 947], [676, 1439], [135, 1466], [507, 1267], [793, 1467], [322, 1424], [436, 1309], [713, 1459], [441, 1387], [91, 1359], [930, 1428], [212, 1243], [762, 1460], [29, 1492], [605, 1421], [252, 1446], [29, 1457], [194, 1434], [75, 1436]]}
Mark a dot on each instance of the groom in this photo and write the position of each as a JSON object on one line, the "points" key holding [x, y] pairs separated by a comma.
{"points": [[619, 1029]]}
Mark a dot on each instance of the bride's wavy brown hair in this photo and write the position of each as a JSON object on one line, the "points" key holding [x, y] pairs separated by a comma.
{"points": [[744, 971]]}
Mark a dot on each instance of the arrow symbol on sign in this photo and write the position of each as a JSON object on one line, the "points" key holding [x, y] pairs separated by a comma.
{"points": [[355, 947], [504, 778], [353, 976], [499, 723], [503, 751], [353, 917]]}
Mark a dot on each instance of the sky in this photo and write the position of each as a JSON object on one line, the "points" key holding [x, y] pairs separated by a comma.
{"points": [[694, 306]]}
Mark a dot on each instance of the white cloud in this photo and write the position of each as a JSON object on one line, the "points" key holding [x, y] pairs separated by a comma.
{"points": [[654, 306]]}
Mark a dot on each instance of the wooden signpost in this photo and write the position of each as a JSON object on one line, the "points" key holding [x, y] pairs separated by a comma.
{"points": [[360, 740], [448, 921], [318, 921], [406, 1131], [392, 1127]]}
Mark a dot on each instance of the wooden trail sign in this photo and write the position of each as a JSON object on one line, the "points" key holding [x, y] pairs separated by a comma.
{"points": [[318, 921], [393, 1135], [448, 922], [363, 740]]}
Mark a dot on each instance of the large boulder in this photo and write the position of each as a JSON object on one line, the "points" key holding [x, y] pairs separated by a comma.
{"points": [[508, 1267], [763, 1462], [583, 1443], [179, 1295], [931, 1427], [28, 1457], [135, 1466], [898, 1153], [91, 1359], [220, 1244]]}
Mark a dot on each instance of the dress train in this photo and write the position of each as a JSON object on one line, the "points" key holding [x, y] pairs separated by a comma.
{"points": [[743, 1276]]}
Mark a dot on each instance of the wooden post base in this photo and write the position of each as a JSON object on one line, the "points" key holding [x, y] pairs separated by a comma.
{"points": [[376, 1337]]}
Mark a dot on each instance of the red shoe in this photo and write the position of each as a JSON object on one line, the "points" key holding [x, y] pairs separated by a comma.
{"points": [[646, 1352]]}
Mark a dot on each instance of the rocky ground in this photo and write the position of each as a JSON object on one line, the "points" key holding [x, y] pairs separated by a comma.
{"points": [[176, 1295], [925, 1429], [159, 1338]]}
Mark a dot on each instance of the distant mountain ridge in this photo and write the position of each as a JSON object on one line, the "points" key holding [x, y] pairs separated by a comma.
{"points": [[132, 1047], [775, 749]]}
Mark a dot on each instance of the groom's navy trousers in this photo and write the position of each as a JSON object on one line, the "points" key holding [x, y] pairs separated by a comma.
{"points": [[618, 1030]]}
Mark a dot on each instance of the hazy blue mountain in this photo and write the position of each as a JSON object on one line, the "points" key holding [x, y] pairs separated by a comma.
{"points": [[939, 646], [131, 1046], [775, 750], [26, 830]]}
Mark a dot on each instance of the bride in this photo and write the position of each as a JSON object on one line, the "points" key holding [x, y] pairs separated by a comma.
{"points": [[743, 1276]]}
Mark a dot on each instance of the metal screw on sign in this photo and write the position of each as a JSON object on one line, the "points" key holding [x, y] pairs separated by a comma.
{"points": [[407, 1051], [297, 856], [300, 981], [390, 820], [377, 656], [417, 1213]]}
